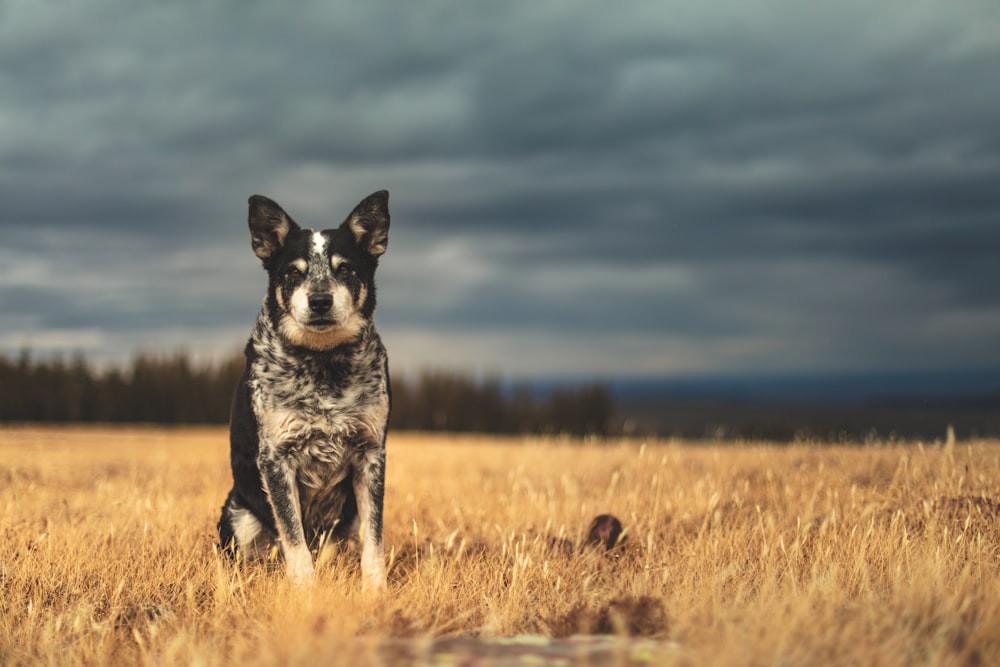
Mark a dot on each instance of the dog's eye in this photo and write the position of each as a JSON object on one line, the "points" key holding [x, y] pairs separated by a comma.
{"points": [[345, 270], [293, 274]]}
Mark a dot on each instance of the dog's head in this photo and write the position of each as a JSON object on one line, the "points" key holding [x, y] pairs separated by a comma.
{"points": [[322, 283]]}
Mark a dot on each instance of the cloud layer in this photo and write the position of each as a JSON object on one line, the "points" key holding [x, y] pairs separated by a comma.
{"points": [[577, 188]]}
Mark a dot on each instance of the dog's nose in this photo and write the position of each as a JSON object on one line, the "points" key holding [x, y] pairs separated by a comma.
{"points": [[320, 303]]}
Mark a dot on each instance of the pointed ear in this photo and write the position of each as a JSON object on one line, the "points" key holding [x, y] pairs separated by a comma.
{"points": [[269, 225], [369, 222]]}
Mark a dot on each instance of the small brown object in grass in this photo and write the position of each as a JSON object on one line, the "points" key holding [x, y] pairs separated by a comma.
{"points": [[605, 530]]}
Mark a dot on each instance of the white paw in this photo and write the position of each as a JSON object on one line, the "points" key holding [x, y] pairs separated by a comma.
{"points": [[372, 569], [299, 566], [372, 582]]}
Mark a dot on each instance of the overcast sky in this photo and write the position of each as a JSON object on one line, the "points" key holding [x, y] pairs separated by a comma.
{"points": [[577, 188]]}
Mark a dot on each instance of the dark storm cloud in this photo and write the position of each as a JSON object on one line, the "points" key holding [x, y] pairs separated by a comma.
{"points": [[737, 185]]}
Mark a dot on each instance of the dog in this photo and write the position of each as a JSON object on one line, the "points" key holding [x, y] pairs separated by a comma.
{"points": [[310, 414]]}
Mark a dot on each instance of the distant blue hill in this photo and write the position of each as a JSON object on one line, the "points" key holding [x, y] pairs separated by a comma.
{"points": [[818, 388], [825, 406]]}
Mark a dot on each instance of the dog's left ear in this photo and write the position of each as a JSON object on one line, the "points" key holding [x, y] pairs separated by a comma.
{"points": [[369, 223]]}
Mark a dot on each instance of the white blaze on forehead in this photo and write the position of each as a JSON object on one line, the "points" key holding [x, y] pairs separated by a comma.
{"points": [[318, 243]]}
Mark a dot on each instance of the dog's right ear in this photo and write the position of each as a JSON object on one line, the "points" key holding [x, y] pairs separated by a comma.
{"points": [[269, 225]]}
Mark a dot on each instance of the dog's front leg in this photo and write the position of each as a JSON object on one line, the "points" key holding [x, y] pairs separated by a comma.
{"points": [[369, 490], [283, 493]]}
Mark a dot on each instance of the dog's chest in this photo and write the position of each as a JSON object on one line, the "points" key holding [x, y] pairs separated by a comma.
{"points": [[316, 417]]}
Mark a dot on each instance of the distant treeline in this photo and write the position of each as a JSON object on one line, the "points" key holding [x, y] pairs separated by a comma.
{"points": [[164, 390], [175, 390]]}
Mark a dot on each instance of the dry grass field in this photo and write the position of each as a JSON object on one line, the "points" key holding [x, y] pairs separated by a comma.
{"points": [[735, 554]]}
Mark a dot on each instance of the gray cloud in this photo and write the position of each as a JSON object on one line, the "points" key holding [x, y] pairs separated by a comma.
{"points": [[744, 185]]}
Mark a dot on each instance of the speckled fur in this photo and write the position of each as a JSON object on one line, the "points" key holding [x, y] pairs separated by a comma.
{"points": [[310, 414]]}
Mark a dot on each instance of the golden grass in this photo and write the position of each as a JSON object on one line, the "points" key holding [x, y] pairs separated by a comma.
{"points": [[740, 554]]}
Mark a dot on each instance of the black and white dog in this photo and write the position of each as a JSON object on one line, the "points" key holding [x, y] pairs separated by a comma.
{"points": [[310, 414]]}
